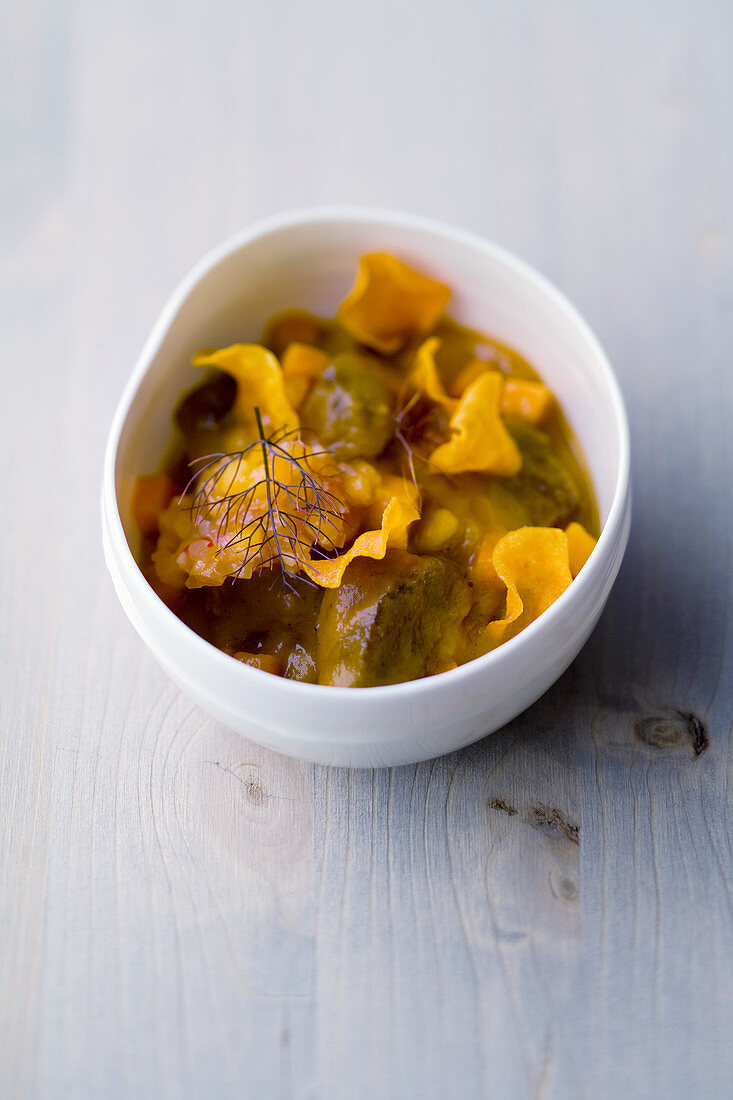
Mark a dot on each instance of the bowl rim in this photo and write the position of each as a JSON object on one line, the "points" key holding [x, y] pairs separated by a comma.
{"points": [[591, 573]]}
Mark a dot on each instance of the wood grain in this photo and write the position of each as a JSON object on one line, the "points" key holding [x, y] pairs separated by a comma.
{"points": [[548, 913]]}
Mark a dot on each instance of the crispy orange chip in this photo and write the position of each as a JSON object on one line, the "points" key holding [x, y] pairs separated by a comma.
{"points": [[301, 365], [580, 546], [533, 564], [390, 302], [481, 441], [388, 487], [424, 375], [397, 517], [260, 383]]}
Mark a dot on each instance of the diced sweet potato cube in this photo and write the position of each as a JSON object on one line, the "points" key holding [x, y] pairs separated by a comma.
{"points": [[529, 400], [151, 495], [265, 662]]}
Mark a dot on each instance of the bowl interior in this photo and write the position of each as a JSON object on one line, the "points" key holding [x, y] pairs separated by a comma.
{"points": [[311, 265]]}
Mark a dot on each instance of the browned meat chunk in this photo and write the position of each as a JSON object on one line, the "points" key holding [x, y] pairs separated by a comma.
{"points": [[391, 620], [543, 484], [350, 407]]}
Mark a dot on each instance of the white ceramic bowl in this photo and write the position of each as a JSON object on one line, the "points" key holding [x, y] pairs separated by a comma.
{"points": [[308, 260]]}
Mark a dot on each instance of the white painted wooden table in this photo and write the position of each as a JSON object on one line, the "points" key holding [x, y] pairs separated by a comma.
{"points": [[548, 913]]}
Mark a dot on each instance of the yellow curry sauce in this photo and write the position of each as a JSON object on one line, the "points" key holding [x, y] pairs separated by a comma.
{"points": [[366, 500]]}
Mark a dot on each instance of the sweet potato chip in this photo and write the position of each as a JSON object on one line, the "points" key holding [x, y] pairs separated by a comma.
{"points": [[580, 545], [397, 517], [260, 383], [480, 441], [302, 364], [390, 302], [533, 564], [388, 487], [424, 375]]}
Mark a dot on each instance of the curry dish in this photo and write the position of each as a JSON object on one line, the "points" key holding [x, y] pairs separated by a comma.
{"points": [[366, 500]]}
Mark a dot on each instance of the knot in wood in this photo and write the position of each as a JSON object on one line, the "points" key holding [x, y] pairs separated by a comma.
{"points": [[671, 731], [553, 822], [563, 886]]}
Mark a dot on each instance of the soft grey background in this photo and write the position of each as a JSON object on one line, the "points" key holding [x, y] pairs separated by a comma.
{"points": [[548, 913]]}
